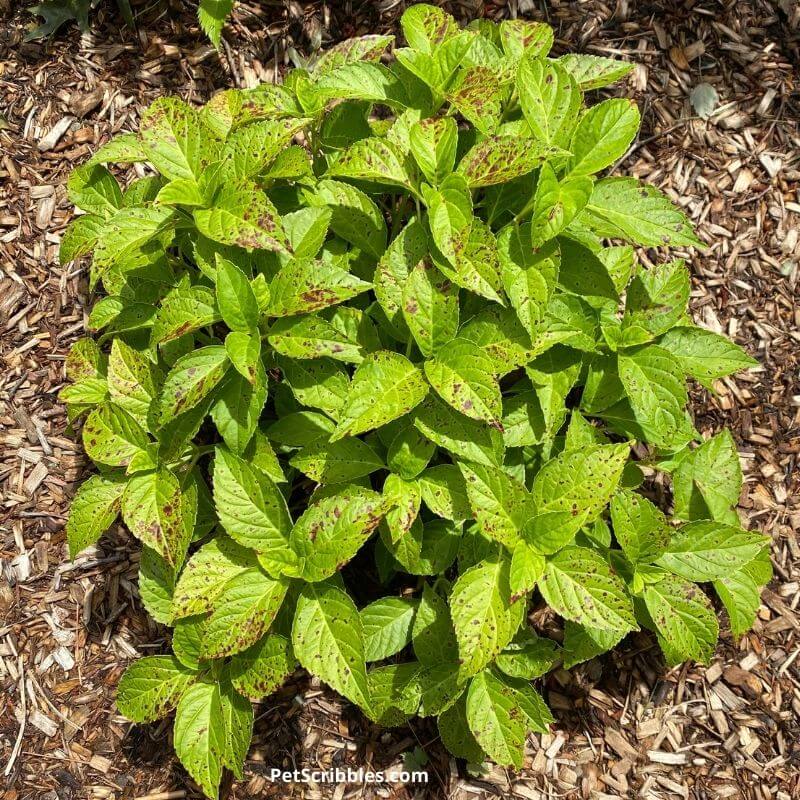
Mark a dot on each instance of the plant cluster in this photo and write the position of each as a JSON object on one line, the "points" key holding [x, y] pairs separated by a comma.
{"points": [[380, 334], [211, 15]]}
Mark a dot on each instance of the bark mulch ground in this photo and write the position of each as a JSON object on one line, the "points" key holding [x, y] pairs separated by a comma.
{"points": [[626, 726]]}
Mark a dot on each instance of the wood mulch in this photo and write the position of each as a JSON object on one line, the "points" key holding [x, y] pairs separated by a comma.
{"points": [[626, 726]]}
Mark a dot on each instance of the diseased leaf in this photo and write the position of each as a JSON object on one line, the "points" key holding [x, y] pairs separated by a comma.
{"points": [[328, 640], [93, 509], [708, 551], [242, 612], [191, 378], [484, 618], [384, 387], [430, 307], [685, 622], [151, 687], [306, 285], [152, 510], [498, 159], [331, 531], [462, 374], [579, 585]]}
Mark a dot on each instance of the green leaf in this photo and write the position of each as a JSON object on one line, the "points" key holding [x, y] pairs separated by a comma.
{"points": [[151, 508], [705, 355], [432, 632], [656, 391], [440, 685], [176, 140], [708, 481], [312, 337], [527, 567], [656, 300], [426, 27], [387, 625], [112, 436], [156, 585], [80, 237], [242, 612], [409, 452], [301, 429], [484, 618], [557, 203], [583, 273], [373, 159], [337, 462], [321, 383], [500, 505], [95, 190], [455, 733], [498, 159], [235, 298], [708, 551], [462, 436], [200, 735], [582, 643], [430, 307], [331, 531], [93, 509], [361, 81], [550, 100], [641, 528], [444, 491], [242, 215], [579, 585], [305, 286], [261, 669], [462, 374], [433, 144], [685, 621], [741, 596], [251, 508], [237, 407], [151, 687], [624, 208], [238, 715], [354, 216], [184, 310], [206, 573], [328, 640], [191, 378], [131, 384], [528, 657], [244, 352], [577, 483], [393, 692], [603, 136], [385, 386], [500, 713], [594, 72]]}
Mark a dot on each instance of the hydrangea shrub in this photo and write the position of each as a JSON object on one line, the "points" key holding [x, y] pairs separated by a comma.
{"points": [[373, 350]]}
